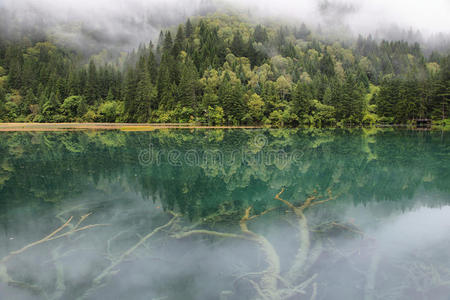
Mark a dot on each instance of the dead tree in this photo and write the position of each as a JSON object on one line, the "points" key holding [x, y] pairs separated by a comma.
{"points": [[272, 283]]}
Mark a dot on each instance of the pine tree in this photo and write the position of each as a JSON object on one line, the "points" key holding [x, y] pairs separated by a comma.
{"points": [[326, 65], [189, 29], [387, 98], [178, 46], [210, 98], [91, 92], [2, 95], [50, 108], [168, 43], [2, 104], [28, 75], [442, 98], [73, 83], [15, 69], [231, 99], [152, 65], [303, 32], [280, 38], [256, 58], [237, 45], [358, 102], [352, 101], [301, 100], [187, 87], [27, 101], [130, 94], [145, 98], [164, 87], [260, 34]]}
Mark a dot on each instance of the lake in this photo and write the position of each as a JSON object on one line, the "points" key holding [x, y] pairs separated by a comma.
{"points": [[225, 214]]}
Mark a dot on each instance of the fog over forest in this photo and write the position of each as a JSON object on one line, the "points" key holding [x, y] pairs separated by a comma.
{"points": [[127, 23]]}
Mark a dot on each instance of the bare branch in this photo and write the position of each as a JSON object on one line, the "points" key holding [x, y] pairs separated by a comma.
{"points": [[213, 233], [289, 204], [84, 217], [53, 236], [124, 255], [45, 239], [263, 213], [258, 289]]}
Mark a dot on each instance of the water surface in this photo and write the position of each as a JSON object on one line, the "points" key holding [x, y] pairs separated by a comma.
{"points": [[194, 214]]}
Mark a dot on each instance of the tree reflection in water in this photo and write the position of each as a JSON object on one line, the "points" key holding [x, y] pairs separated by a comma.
{"points": [[207, 230]]}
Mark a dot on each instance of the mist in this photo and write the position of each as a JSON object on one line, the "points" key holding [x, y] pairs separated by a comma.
{"points": [[125, 24], [202, 267], [362, 16]]}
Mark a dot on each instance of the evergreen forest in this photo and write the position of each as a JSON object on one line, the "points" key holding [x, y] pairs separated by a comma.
{"points": [[225, 70]]}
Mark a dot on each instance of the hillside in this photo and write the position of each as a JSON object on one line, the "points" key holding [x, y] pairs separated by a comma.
{"points": [[225, 70]]}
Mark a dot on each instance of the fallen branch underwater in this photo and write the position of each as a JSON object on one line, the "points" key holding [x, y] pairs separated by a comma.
{"points": [[98, 281], [53, 236], [270, 283], [296, 270], [5, 277], [128, 252], [267, 287]]}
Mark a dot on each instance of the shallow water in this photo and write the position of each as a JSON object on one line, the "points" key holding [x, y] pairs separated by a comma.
{"points": [[168, 214]]}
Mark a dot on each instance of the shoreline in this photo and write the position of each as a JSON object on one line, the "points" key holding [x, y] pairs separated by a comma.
{"points": [[134, 127], [13, 127]]}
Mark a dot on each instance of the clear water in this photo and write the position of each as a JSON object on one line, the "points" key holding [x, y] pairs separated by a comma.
{"points": [[377, 225]]}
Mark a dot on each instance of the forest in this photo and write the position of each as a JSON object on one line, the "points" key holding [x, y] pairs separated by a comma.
{"points": [[225, 70]]}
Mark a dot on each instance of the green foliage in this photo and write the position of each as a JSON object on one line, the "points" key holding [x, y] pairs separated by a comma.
{"points": [[187, 89], [282, 117], [323, 114], [230, 96], [215, 116], [370, 119], [302, 100], [10, 112], [221, 70], [73, 107], [108, 112], [90, 116], [2, 104], [255, 108]]}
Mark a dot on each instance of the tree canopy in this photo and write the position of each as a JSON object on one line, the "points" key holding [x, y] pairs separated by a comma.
{"points": [[255, 74]]}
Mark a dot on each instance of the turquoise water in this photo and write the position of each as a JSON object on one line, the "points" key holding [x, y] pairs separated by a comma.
{"points": [[167, 214]]}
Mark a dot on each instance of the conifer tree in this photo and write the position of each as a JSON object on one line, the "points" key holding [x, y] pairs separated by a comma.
{"points": [[91, 92], [178, 45], [327, 65], [301, 100], [152, 65], [27, 101], [2, 104], [189, 29], [130, 93], [237, 45], [187, 87], [164, 87], [260, 34], [231, 99], [168, 42]]}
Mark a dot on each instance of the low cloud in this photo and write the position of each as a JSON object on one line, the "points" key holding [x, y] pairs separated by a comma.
{"points": [[125, 23]]}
